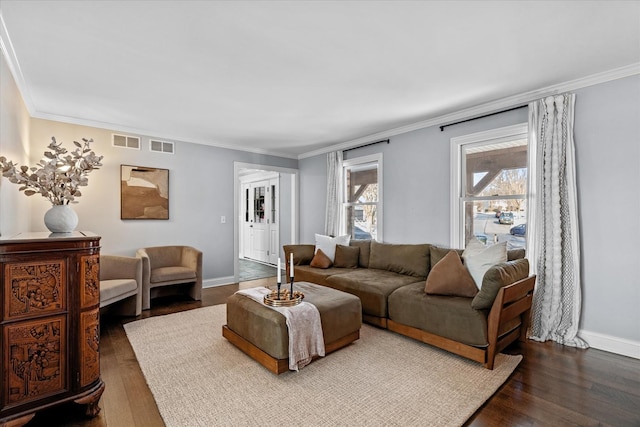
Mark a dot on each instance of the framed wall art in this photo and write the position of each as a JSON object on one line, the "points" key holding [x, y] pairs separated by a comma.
{"points": [[144, 192]]}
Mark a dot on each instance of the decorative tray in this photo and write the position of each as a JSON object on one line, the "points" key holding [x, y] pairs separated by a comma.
{"points": [[285, 298]]}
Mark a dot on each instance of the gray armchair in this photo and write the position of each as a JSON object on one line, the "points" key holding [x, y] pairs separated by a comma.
{"points": [[163, 266], [121, 280]]}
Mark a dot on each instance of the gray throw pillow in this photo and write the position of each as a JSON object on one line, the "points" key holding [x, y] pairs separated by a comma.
{"points": [[499, 276]]}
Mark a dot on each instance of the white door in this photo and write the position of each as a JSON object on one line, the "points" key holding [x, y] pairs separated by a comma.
{"points": [[259, 221], [260, 217]]}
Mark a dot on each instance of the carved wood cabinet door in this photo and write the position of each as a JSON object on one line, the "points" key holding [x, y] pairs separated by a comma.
{"points": [[49, 324]]}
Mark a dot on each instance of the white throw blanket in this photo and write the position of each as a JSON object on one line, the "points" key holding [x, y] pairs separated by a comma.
{"points": [[304, 325]]}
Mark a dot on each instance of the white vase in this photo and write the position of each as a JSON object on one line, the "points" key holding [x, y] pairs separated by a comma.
{"points": [[61, 219]]}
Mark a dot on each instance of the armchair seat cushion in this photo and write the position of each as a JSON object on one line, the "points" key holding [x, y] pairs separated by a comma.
{"points": [[115, 287], [169, 274]]}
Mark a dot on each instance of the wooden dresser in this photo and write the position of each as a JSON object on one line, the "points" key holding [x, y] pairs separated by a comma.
{"points": [[49, 323]]}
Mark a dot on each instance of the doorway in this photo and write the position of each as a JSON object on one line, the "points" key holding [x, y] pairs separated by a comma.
{"points": [[260, 216], [265, 213]]}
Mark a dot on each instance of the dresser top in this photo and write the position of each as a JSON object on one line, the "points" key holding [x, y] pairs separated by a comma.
{"points": [[45, 236]]}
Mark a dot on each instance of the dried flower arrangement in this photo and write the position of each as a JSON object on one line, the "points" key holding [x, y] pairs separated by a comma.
{"points": [[57, 176]]}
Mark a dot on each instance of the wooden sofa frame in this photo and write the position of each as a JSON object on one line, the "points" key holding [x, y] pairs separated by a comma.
{"points": [[513, 301]]}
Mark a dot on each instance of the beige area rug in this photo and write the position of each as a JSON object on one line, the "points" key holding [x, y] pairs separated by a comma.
{"points": [[198, 378]]}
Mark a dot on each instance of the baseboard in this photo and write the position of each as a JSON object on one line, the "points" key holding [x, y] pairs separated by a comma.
{"points": [[611, 344], [220, 281]]}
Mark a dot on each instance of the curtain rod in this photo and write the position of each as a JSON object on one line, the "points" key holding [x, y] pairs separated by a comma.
{"points": [[481, 117], [366, 145]]}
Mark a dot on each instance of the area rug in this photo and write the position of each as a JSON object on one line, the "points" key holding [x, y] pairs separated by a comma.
{"points": [[198, 378]]}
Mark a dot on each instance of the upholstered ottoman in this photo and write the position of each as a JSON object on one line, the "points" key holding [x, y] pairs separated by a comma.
{"points": [[261, 332]]}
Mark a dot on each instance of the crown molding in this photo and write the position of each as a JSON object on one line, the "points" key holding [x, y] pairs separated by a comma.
{"points": [[487, 108], [152, 134]]}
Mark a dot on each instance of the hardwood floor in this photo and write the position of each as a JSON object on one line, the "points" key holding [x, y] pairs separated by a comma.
{"points": [[553, 385]]}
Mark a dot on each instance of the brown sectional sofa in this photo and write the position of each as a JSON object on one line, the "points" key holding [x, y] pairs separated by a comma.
{"points": [[390, 280]]}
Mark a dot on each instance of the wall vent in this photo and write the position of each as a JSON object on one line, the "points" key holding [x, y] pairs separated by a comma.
{"points": [[161, 146], [125, 141]]}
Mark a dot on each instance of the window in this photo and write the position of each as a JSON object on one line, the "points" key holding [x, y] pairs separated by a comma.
{"points": [[490, 181], [363, 197]]}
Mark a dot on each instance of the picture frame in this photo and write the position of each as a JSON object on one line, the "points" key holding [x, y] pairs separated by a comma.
{"points": [[144, 192]]}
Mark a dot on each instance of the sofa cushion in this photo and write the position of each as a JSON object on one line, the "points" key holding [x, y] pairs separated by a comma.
{"points": [[478, 258], [410, 260], [365, 251], [167, 274], [302, 254], [371, 286], [499, 276], [450, 277], [114, 287], [347, 256], [306, 273], [447, 316], [328, 244], [320, 260]]}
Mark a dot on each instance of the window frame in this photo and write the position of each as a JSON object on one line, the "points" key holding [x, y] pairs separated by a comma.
{"points": [[508, 133], [372, 158]]}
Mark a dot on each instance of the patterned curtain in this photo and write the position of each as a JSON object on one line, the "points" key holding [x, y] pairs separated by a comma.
{"points": [[554, 237], [333, 213]]}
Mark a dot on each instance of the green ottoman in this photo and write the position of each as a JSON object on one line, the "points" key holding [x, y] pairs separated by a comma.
{"points": [[261, 332]]}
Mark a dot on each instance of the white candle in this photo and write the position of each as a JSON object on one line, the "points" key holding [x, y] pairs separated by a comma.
{"points": [[291, 264], [279, 278]]}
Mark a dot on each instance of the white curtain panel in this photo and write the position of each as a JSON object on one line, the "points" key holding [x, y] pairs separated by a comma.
{"points": [[333, 214], [553, 223]]}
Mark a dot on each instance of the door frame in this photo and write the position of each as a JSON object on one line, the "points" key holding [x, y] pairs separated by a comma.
{"points": [[237, 166]]}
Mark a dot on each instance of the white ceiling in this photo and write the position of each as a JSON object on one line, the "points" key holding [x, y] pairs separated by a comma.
{"points": [[290, 78]]}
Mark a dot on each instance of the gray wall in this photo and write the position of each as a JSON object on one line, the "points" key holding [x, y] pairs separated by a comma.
{"points": [[200, 192], [313, 190], [607, 133]]}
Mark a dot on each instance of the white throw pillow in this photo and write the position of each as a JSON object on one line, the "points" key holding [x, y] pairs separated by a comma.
{"points": [[328, 244], [479, 258]]}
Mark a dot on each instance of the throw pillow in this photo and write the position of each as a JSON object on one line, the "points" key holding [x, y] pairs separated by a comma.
{"points": [[450, 277], [320, 260], [478, 258], [347, 256], [498, 277], [328, 244]]}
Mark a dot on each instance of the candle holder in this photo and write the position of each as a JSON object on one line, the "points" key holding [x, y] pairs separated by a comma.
{"points": [[279, 284], [284, 299], [291, 291]]}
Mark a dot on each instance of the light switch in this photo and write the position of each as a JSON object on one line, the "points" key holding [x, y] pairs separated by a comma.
{"points": [[223, 219]]}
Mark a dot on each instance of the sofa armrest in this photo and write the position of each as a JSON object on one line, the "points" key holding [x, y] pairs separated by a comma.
{"points": [[146, 266], [192, 259], [513, 303]]}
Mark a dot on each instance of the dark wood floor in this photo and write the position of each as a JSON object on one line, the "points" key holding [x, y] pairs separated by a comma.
{"points": [[553, 386]]}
